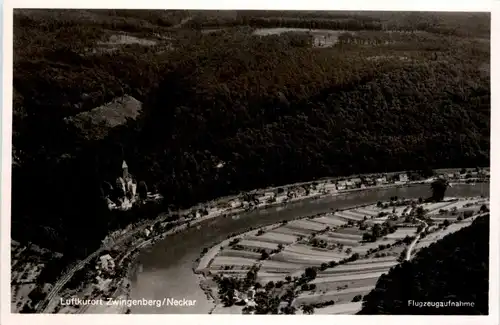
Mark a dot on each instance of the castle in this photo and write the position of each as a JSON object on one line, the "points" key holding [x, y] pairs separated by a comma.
{"points": [[123, 195]]}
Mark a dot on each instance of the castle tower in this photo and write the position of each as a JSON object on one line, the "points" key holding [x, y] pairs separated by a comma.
{"points": [[125, 170]]}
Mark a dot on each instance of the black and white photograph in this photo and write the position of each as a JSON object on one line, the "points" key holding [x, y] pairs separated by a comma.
{"points": [[250, 162]]}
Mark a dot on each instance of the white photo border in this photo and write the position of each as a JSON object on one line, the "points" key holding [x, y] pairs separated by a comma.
{"points": [[390, 5]]}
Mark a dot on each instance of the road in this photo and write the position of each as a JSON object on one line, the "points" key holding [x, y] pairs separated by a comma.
{"points": [[412, 245]]}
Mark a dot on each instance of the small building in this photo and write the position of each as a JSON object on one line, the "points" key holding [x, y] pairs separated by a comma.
{"points": [[403, 178], [341, 185], [147, 232], [235, 204], [330, 187], [266, 197], [262, 199], [381, 180], [106, 263], [350, 184], [102, 284], [356, 180], [369, 181], [300, 191]]}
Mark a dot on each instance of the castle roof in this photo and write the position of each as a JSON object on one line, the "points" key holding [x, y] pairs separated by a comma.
{"points": [[124, 165]]}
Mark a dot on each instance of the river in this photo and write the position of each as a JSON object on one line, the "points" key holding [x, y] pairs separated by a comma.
{"points": [[165, 269]]}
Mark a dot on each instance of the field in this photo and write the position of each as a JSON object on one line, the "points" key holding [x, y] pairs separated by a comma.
{"points": [[282, 253]]}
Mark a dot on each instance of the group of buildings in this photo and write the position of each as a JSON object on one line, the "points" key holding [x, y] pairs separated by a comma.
{"points": [[363, 182]]}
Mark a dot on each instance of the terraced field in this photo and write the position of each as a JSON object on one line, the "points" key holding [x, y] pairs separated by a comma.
{"points": [[347, 267]]}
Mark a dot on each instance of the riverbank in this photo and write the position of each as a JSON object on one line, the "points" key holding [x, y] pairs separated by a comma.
{"points": [[273, 208]]}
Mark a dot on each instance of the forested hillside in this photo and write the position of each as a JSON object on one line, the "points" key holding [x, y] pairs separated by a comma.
{"points": [[459, 267], [275, 109]]}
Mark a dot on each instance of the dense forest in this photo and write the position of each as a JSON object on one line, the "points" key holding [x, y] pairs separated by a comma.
{"points": [[275, 109], [459, 266]]}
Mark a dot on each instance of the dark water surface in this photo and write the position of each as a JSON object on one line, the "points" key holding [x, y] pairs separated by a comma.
{"points": [[165, 270]]}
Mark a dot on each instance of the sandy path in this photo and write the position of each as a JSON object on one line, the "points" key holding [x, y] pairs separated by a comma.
{"points": [[353, 277], [254, 244], [360, 267], [275, 237], [307, 224], [329, 295], [230, 261], [330, 221]]}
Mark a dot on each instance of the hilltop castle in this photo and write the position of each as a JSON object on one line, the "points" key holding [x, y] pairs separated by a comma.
{"points": [[123, 194]]}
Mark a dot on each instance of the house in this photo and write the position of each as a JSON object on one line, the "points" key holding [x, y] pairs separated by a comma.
{"points": [[235, 204], [102, 284], [403, 178], [330, 187], [268, 196], [381, 180], [350, 184], [106, 263], [262, 199], [300, 191], [147, 232], [341, 185], [356, 181], [369, 181]]}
